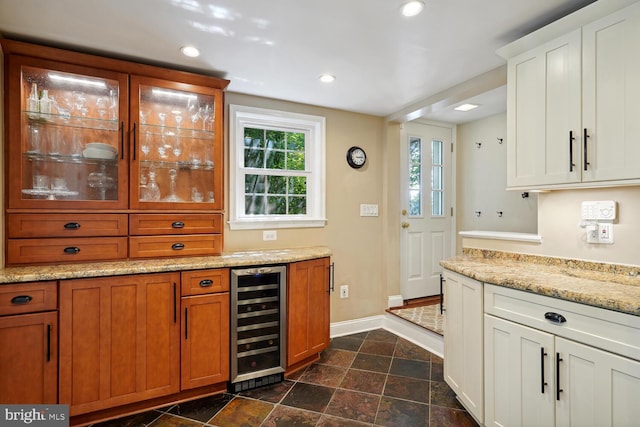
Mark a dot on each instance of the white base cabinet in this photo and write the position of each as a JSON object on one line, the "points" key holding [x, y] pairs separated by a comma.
{"points": [[463, 341], [536, 377]]}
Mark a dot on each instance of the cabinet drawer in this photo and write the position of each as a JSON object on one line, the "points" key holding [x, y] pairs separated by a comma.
{"points": [[205, 281], [27, 251], [66, 225], [606, 329], [28, 297], [171, 246], [153, 224]]}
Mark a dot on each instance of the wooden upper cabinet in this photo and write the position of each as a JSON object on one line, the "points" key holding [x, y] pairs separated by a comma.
{"points": [[177, 150], [65, 135], [86, 134]]}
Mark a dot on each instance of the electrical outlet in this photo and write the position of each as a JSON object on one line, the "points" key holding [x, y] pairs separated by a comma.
{"points": [[344, 291], [270, 235]]}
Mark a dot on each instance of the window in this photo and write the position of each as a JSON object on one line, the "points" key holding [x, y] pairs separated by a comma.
{"points": [[277, 169], [416, 175]]}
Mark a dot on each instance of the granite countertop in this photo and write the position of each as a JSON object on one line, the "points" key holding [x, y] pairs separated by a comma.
{"points": [[610, 286], [118, 268]]}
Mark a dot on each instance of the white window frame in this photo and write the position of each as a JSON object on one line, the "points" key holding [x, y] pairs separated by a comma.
{"points": [[314, 126]]}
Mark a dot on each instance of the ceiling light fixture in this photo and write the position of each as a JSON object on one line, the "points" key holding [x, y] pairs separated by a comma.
{"points": [[412, 7], [327, 78], [466, 107], [190, 51]]}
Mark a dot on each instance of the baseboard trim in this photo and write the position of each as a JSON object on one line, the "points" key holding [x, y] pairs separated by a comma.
{"points": [[411, 332]]}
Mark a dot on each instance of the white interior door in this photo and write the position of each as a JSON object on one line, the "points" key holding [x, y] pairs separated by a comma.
{"points": [[426, 208]]}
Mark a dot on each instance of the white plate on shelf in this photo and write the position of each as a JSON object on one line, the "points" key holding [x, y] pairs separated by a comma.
{"points": [[94, 153], [101, 146]]}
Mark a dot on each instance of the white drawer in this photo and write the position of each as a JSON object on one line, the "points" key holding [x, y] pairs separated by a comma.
{"points": [[606, 329]]}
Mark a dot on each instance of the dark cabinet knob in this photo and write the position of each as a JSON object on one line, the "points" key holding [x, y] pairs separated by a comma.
{"points": [[177, 224], [205, 283], [72, 226], [72, 250], [555, 317], [21, 299], [177, 246]]}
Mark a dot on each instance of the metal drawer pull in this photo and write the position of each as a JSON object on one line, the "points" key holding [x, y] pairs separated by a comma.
{"points": [[72, 226], [21, 299], [205, 283], [554, 317], [72, 250], [177, 224], [177, 246]]}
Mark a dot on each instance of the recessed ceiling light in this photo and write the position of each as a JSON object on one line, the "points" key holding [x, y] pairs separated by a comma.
{"points": [[466, 107], [412, 8], [327, 78], [190, 51]]}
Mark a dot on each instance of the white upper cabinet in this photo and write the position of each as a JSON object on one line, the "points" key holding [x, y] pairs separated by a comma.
{"points": [[543, 117], [611, 94], [572, 116]]}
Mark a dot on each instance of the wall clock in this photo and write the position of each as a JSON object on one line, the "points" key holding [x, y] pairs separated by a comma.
{"points": [[356, 157]]}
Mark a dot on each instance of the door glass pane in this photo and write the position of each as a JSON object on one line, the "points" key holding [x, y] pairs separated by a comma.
{"points": [[70, 136], [415, 176], [437, 173]]}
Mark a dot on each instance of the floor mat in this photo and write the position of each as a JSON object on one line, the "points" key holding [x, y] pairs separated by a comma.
{"points": [[427, 316]]}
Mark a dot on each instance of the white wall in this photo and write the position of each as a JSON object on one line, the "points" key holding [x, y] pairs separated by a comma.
{"points": [[482, 180]]}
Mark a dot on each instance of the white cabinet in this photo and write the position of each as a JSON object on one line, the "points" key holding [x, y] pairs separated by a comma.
{"points": [[518, 375], [572, 106], [543, 117], [611, 90], [598, 389], [536, 376], [463, 361]]}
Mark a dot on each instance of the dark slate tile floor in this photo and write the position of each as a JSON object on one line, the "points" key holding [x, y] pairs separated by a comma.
{"points": [[367, 379]]}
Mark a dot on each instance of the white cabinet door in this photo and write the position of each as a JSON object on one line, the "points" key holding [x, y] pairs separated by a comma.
{"points": [[611, 90], [463, 351], [519, 375], [599, 389], [544, 101]]}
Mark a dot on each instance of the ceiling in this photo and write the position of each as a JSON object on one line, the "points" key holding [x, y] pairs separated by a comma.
{"points": [[383, 62]]}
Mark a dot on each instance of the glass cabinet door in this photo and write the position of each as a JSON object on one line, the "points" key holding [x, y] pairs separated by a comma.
{"points": [[66, 136], [177, 153]]}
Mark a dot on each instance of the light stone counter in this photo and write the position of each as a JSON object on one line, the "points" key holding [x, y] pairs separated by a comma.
{"points": [[118, 268], [611, 286]]}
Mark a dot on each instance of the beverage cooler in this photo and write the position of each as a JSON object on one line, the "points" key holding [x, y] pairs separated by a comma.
{"points": [[258, 327]]}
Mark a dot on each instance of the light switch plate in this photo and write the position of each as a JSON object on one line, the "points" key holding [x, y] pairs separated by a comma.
{"points": [[270, 235], [368, 210]]}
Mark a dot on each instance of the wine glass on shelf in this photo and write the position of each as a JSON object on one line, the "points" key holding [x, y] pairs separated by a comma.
{"points": [[193, 107], [177, 149], [162, 149], [207, 118]]}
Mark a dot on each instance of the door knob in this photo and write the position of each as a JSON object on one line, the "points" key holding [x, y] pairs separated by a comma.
{"points": [[405, 225], [404, 212]]}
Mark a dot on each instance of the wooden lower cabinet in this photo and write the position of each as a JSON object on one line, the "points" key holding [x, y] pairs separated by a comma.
{"points": [[29, 358], [205, 340], [307, 309], [119, 340]]}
